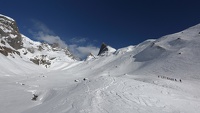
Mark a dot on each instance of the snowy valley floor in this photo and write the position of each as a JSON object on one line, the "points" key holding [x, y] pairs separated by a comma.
{"points": [[65, 91]]}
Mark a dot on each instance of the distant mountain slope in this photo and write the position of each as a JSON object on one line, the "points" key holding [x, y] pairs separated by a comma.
{"points": [[175, 55], [14, 45]]}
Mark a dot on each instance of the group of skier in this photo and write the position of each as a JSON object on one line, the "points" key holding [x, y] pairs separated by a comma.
{"points": [[168, 78]]}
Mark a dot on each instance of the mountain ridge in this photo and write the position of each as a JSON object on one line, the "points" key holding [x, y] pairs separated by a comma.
{"points": [[14, 43], [47, 55]]}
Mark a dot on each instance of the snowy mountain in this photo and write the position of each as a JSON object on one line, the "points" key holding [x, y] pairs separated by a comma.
{"points": [[14, 44], [155, 76]]}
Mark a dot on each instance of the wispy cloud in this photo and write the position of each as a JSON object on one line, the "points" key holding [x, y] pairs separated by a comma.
{"points": [[43, 33], [83, 51], [78, 40], [41, 27], [79, 46]]}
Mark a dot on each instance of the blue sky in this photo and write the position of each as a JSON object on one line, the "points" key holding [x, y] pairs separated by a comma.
{"points": [[84, 24]]}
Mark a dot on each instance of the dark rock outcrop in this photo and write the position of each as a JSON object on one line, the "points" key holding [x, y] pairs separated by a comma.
{"points": [[5, 51], [10, 32], [103, 49], [43, 59]]}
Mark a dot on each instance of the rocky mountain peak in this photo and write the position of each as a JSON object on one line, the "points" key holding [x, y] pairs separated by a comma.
{"points": [[105, 49], [9, 32]]}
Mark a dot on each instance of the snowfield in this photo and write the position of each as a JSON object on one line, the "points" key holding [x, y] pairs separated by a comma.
{"points": [[156, 76]]}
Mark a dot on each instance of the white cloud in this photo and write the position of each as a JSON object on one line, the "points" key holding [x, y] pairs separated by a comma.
{"points": [[83, 51], [79, 46], [43, 33], [78, 40], [51, 39], [41, 27]]}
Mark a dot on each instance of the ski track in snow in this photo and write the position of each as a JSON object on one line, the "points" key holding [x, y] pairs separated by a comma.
{"points": [[103, 96], [107, 94]]}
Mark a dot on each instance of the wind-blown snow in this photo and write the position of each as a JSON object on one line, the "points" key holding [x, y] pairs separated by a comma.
{"points": [[156, 76]]}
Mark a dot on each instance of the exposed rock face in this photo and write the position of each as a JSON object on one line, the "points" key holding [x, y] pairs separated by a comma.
{"points": [[103, 49], [56, 47], [10, 32], [6, 51], [45, 54], [68, 53], [41, 60], [90, 56]]}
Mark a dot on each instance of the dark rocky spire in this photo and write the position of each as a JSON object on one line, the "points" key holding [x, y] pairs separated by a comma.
{"points": [[103, 49]]}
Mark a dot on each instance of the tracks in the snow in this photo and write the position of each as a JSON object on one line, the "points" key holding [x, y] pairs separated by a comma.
{"points": [[121, 93]]}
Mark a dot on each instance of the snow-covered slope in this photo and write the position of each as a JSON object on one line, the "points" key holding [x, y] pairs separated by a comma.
{"points": [[175, 55], [155, 76], [44, 54]]}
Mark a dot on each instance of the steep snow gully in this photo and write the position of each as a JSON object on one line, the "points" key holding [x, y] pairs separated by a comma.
{"points": [[155, 76]]}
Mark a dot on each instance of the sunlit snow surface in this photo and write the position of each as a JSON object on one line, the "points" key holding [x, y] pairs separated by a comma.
{"points": [[134, 79]]}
